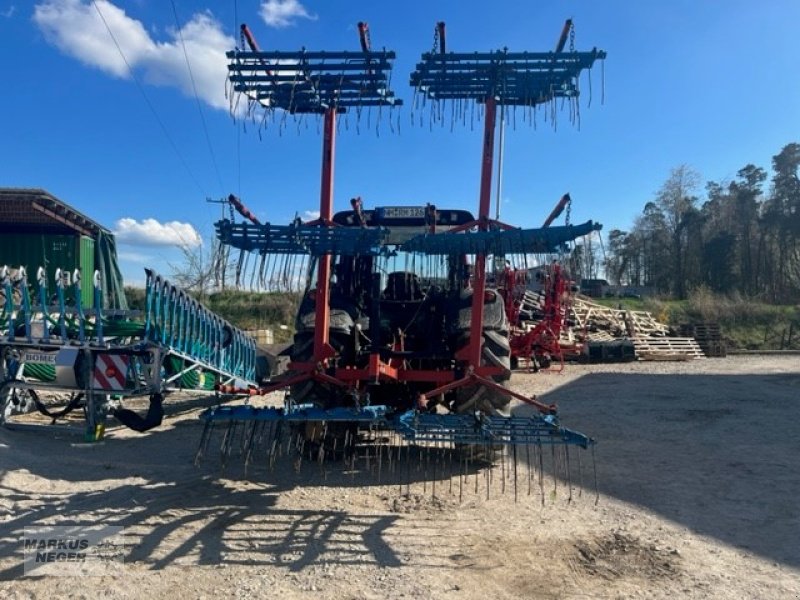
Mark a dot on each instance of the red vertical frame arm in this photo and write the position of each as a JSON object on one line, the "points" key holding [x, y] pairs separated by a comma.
{"points": [[322, 347], [472, 352]]}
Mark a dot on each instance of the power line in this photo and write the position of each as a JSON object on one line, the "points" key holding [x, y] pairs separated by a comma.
{"points": [[197, 99], [147, 101]]}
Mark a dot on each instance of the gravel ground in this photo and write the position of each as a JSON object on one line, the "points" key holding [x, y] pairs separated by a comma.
{"points": [[697, 498]]}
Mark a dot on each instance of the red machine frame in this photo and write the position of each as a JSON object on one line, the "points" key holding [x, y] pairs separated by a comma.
{"points": [[470, 371]]}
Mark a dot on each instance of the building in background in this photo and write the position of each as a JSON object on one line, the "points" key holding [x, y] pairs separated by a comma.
{"points": [[37, 229]]}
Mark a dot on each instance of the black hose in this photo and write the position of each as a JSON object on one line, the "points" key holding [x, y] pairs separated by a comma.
{"points": [[153, 418], [40, 406]]}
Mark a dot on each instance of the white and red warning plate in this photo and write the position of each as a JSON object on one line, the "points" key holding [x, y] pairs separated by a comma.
{"points": [[110, 371]]}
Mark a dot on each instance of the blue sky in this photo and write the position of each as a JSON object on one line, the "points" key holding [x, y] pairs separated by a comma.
{"points": [[711, 84]]}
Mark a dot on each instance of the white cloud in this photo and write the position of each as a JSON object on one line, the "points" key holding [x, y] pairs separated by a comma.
{"points": [[283, 13], [9, 12], [76, 28], [150, 232], [311, 214]]}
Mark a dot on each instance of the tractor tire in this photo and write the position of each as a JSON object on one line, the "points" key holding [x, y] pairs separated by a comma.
{"points": [[312, 392], [339, 439], [496, 352]]}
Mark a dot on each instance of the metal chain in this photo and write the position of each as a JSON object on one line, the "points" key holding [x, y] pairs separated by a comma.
{"points": [[435, 39], [572, 38]]}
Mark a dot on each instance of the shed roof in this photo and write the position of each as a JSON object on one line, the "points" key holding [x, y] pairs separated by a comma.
{"points": [[37, 210]]}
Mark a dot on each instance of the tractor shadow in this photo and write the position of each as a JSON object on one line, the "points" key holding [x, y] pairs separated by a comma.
{"points": [[714, 453], [176, 513]]}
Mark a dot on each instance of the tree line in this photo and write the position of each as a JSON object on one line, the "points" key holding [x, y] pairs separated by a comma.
{"points": [[742, 237]]}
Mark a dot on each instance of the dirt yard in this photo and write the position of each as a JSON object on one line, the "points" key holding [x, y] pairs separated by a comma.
{"points": [[699, 497]]}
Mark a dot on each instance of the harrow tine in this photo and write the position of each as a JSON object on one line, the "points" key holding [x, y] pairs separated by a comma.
{"points": [[488, 472], [528, 461], [204, 439], [487, 479], [450, 467], [461, 475], [380, 462], [554, 493], [431, 443], [435, 465], [248, 451], [596, 487], [503, 470], [300, 455], [367, 461], [515, 473], [569, 474], [540, 453], [271, 454], [239, 265], [261, 266], [408, 469], [425, 466], [321, 460], [227, 444]]}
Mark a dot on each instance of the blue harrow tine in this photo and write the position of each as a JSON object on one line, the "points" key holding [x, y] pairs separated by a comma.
{"points": [[41, 280], [98, 307], [76, 291], [62, 280], [26, 302]]}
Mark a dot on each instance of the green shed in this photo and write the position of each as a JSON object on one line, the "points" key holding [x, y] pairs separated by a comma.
{"points": [[37, 229]]}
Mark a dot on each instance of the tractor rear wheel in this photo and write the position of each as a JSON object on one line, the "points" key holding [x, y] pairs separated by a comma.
{"points": [[310, 391], [495, 352]]}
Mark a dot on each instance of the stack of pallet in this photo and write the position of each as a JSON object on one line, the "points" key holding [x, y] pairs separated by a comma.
{"points": [[708, 337], [667, 348], [641, 323], [592, 326], [532, 306], [595, 323]]}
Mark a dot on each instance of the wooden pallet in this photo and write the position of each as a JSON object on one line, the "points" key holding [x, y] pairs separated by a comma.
{"points": [[599, 336], [667, 348], [708, 337], [709, 331], [592, 316], [642, 323]]}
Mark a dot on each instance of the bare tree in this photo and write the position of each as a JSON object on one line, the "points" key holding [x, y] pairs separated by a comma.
{"points": [[200, 270]]}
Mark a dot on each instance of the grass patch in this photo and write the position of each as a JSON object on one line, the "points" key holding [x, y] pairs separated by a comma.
{"points": [[245, 310]]}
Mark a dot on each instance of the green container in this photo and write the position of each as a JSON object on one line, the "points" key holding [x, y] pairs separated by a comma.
{"points": [[87, 266], [67, 252]]}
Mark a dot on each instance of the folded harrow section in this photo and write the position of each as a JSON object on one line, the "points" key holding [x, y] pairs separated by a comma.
{"points": [[98, 357]]}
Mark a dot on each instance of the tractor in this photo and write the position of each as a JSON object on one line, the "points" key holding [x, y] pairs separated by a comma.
{"points": [[415, 314], [402, 327]]}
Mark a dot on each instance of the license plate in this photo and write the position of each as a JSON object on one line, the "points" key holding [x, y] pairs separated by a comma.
{"points": [[403, 212]]}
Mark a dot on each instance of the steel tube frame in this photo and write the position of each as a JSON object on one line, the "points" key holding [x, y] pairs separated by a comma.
{"points": [[322, 348], [472, 352]]}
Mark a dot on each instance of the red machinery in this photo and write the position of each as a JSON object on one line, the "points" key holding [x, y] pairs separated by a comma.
{"points": [[537, 320], [403, 340]]}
